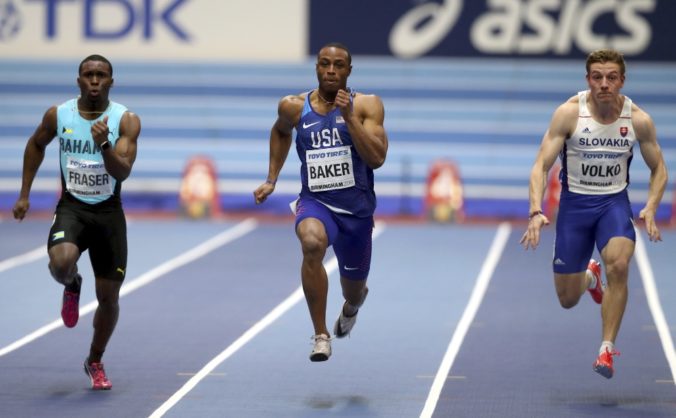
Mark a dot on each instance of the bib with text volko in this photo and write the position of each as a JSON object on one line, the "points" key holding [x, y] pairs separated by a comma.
{"points": [[329, 169]]}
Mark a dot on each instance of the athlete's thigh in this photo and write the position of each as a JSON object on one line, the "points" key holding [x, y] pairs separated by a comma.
{"points": [[575, 235], [67, 226], [616, 220], [309, 208], [353, 247], [108, 245]]}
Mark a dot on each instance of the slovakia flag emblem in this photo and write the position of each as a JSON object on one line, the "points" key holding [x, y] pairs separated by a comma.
{"points": [[624, 131]]}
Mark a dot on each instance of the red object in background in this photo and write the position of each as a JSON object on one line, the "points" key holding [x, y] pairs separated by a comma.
{"points": [[444, 198], [553, 192], [673, 206], [199, 189]]}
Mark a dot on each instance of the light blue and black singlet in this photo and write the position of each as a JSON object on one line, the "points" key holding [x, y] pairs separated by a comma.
{"points": [[83, 173], [331, 170]]}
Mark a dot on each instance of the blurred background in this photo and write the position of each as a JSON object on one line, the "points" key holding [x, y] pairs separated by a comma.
{"points": [[468, 86]]}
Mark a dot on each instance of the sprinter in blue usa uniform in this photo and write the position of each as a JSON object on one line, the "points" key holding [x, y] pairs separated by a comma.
{"points": [[97, 148], [594, 133], [340, 140]]}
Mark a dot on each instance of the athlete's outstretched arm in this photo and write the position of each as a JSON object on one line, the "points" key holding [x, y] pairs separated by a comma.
{"points": [[33, 156], [652, 155], [552, 143], [288, 113]]}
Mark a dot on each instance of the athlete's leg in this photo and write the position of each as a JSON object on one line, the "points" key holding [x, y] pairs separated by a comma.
{"points": [[616, 256], [63, 262], [314, 242], [570, 287], [105, 317], [354, 292]]}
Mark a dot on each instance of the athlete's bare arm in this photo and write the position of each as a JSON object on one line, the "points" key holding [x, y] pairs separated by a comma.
{"points": [[364, 120], [120, 161], [652, 155], [33, 156], [288, 115], [561, 126]]}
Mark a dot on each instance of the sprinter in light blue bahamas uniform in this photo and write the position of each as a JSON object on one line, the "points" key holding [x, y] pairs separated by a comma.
{"points": [[594, 133], [340, 141], [97, 143]]}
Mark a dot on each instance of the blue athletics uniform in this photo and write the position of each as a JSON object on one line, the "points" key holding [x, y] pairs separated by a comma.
{"points": [[337, 188], [594, 205], [89, 213]]}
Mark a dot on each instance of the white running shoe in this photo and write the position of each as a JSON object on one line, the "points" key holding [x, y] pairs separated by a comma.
{"points": [[321, 351], [344, 324]]}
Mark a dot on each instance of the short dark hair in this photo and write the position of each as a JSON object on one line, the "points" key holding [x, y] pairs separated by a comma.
{"points": [[606, 55], [339, 46], [96, 57]]}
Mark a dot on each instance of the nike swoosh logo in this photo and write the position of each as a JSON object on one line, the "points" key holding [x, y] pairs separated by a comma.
{"points": [[305, 126], [350, 268]]}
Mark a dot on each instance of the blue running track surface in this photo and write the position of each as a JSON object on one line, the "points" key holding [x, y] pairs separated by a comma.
{"points": [[213, 324]]}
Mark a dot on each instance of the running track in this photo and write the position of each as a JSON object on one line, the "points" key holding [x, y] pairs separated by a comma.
{"points": [[460, 321]]}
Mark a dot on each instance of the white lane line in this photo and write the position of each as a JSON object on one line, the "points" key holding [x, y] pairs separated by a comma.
{"points": [[654, 303], [24, 258], [330, 265], [201, 250], [468, 315]]}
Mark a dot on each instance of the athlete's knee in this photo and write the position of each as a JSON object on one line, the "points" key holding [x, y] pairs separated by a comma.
{"points": [[617, 271], [107, 292], [61, 270], [108, 300], [568, 302], [567, 298], [313, 245]]}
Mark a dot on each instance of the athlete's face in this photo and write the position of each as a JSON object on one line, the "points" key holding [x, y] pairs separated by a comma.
{"points": [[95, 81], [605, 81], [333, 69]]}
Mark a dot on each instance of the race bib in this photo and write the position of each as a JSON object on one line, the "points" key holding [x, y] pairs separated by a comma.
{"points": [[329, 169], [87, 178]]}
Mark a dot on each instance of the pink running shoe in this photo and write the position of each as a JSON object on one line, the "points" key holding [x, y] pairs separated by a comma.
{"points": [[597, 292], [604, 363], [97, 375], [70, 305]]}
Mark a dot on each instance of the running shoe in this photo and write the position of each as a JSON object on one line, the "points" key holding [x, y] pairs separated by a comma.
{"points": [[345, 323], [597, 292], [70, 305], [97, 375], [604, 363], [321, 351]]}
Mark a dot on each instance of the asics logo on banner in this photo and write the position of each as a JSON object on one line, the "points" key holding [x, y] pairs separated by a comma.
{"points": [[408, 39], [10, 20], [527, 27], [307, 125]]}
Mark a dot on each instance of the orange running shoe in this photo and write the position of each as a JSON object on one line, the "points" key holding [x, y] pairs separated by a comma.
{"points": [[597, 292], [604, 363]]}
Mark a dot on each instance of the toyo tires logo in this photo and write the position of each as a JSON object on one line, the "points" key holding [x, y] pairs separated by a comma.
{"points": [[527, 26]]}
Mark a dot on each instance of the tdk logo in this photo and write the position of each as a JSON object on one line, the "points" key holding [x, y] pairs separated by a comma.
{"points": [[129, 15], [10, 19]]}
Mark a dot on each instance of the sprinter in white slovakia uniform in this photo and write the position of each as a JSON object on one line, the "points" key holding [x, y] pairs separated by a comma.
{"points": [[594, 133]]}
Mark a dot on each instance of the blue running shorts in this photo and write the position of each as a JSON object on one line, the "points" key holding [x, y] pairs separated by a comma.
{"points": [[350, 236], [583, 220]]}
